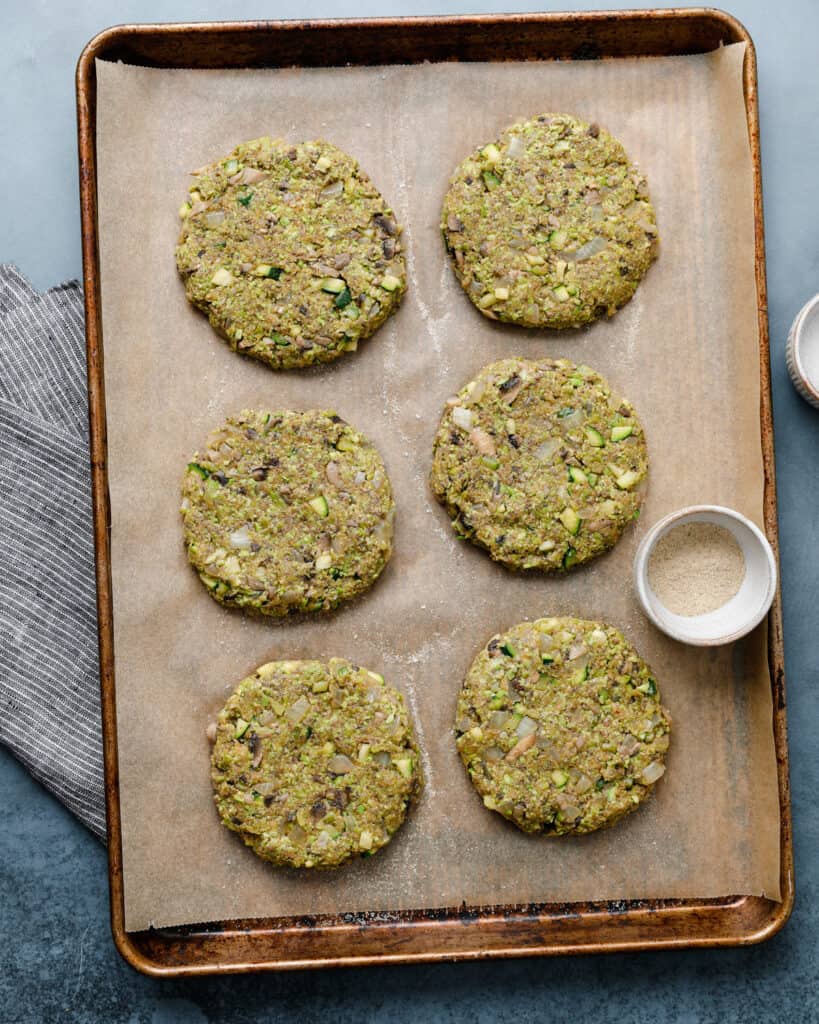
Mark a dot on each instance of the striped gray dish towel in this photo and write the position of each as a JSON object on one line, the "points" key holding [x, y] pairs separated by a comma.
{"points": [[49, 681]]}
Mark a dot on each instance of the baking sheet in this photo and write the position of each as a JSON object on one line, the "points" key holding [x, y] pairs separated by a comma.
{"points": [[685, 351]]}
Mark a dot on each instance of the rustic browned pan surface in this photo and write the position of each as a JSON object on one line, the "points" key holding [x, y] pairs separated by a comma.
{"points": [[465, 932]]}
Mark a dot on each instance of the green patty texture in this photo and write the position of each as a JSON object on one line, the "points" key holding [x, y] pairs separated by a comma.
{"points": [[287, 512], [291, 251], [314, 763], [550, 225], [560, 726], [539, 463]]}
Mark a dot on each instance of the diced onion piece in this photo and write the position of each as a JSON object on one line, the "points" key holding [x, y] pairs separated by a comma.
{"points": [[526, 727], [574, 419], [653, 772], [381, 757], [297, 711], [585, 252], [498, 719], [583, 785], [240, 539], [516, 147], [323, 841], [383, 531], [214, 218], [575, 651], [324, 561], [493, 754], [340, 764], [332, 191], [545, 451], [462, 418], [222, 277]]}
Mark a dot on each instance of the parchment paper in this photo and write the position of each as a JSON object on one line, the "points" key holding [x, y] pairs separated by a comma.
{"points": [[685, 350]]}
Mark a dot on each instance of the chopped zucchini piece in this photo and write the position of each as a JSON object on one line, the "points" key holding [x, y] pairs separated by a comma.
{"points": [[561, 293], [490, 179], [323, 164], [571, 520], [405, 766], [627, 480], [196, 468], [333, 285], [320, 506], [649, 687], [241, 728], [265, 270], [491, 153], [570, 558], [490, 462], [557, 239], [577, 476], [389, 282], [344, 299], [231, 167], [559, 778], [508, 649], [594, 437], [621, 433]]}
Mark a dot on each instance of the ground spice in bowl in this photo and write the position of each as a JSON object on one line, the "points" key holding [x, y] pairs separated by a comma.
{"points": [[696, 568]]}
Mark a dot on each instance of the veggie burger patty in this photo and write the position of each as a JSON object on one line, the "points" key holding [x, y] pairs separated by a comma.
{"points": [[537, 462], [560, 726], [314, 763], [550, 225], [287, 512], [291, 251]]}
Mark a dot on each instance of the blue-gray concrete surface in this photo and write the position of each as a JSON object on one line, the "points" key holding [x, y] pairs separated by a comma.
{"points": [[57, 961]]}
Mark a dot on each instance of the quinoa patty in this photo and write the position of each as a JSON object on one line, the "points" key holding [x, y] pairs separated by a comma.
{"points": [[314, 763], [287, 512], [560, 726], [538, 463], [291, 251], [550, 225]]}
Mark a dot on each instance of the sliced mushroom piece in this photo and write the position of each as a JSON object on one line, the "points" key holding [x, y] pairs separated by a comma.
{"points": [[482, 441]]}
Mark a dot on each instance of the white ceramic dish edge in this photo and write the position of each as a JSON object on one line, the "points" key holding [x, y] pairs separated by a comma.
{"points": [[807, 389]]}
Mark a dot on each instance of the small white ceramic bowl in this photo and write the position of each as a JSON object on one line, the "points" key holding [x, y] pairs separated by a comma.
{"points": [[804, 333], [746, 609]]}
